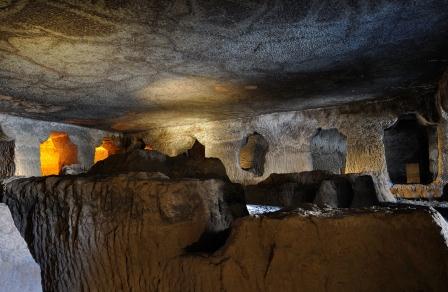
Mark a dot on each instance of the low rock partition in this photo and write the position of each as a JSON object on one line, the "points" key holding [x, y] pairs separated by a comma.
{"points": [[181, 166], [317, 187]]}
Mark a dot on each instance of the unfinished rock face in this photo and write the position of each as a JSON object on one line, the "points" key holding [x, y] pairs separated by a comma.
{"points": [[289, 135], [116, 233], [318, 187], [152, 161], [7, 165], [329, 150], [18, 271], [315, 251], [336, 193], [286, 190], [368, 193], [128, 234]]}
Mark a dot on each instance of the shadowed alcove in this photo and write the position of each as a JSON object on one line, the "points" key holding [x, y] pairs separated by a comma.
{"points": [[252, 154], [197, 151], [329, 150], [56, 152], [411, 151]]}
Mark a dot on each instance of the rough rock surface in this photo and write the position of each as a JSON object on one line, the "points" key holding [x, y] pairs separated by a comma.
{"points": [[286, 190], [319, 187], [109, 233], [329, 150], [365, 191], [376, 250], [181, 166], [289, 136], [131, 65], [336, 193], [72, 169], [416, 191], [7, 164], [18, 270], [107, 243]]}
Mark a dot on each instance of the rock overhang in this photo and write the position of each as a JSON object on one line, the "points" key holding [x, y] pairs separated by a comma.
{"points": [[135, 65]]}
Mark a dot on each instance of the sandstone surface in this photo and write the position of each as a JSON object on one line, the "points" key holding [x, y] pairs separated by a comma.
{"points": [[137, 232]]}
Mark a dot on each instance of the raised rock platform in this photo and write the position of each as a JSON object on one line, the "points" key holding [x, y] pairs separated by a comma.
{"points": [[181, 166], [143, 232], [292, 190], [109, 233]]}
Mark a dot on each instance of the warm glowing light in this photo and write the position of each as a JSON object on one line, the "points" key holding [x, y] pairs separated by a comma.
{"points": [[106, 149], [148, 147], [56, 152], [101, 153], [191, 89]]}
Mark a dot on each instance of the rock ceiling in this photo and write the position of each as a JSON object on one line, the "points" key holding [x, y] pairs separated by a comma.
{"points": [[133, 65]]}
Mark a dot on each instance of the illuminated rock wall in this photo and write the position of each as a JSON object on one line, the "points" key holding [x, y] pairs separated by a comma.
{"points": [[289, 136], [29, 134]]}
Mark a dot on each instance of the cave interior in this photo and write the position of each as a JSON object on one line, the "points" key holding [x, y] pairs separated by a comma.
{"points": [[223, 145]]}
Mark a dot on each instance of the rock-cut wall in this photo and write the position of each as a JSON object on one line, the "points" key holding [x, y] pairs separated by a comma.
{"points": [[290, 135]]}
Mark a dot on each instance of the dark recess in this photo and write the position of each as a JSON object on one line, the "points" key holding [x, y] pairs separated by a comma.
{"points": [[209, 242], [408, 142]]}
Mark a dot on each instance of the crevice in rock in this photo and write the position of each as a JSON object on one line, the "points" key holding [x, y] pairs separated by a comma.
{"points": [[444, 196], [197, 151], [209, 242], [271, 257]]}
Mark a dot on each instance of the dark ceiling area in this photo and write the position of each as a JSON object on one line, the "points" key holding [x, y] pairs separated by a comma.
{"points": [[135, 65]]}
